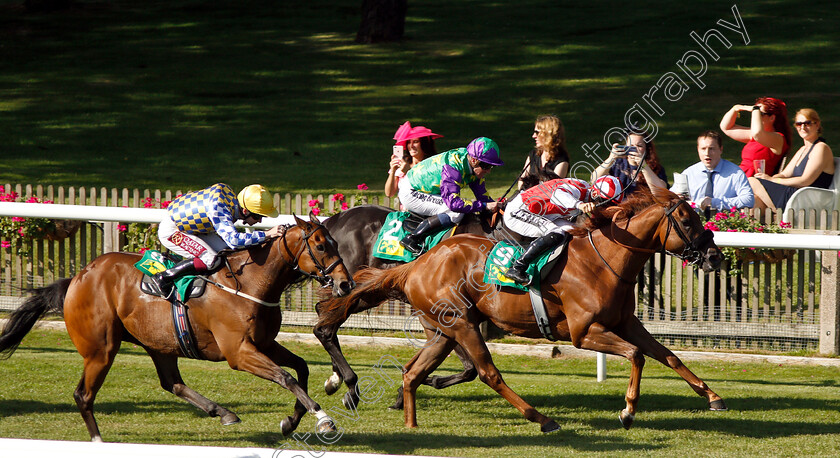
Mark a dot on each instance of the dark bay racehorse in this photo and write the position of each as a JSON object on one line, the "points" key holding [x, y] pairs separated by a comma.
{"points": [[356, 231], [591, 304], [104, 307]]}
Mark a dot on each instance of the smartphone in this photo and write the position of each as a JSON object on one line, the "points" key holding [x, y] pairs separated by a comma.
{"points": [[624, 149], [398, 151]]}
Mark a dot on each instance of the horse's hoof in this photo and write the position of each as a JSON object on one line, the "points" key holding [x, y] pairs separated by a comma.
{"points": [[286, 426], [626, 419], [325, 425], [229, 419], [350, 401], [550, 427], [396, 406], [333, 384], [717, 405]]}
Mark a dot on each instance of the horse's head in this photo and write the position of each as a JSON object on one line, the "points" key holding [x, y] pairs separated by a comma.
{"points": [[317, 256], [684, 235]]}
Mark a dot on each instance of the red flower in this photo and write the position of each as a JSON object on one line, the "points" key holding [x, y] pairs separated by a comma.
{"points": [[362, 187], [337, 197]]}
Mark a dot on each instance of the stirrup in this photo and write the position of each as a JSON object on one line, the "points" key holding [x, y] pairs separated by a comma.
{"points": [[159, 284], [519, 276], [410, 244]]}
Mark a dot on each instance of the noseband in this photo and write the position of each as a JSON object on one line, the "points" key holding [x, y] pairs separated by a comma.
{"points": [[323, 272]]}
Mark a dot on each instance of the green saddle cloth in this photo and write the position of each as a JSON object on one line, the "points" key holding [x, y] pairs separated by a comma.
{"points": [[153, 262], [500, 259], [387, 244]]}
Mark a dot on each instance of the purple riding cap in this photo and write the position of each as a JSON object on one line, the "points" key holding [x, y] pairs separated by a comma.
{"points": [[485, 150]]}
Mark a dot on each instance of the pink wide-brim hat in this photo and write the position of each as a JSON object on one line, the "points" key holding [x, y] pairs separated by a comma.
{"points": [[406, 133]]}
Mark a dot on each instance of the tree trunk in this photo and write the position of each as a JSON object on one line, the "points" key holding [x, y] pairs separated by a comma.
{"points": [[382, 20]]}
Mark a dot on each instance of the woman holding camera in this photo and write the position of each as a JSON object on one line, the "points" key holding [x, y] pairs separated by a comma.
{"points": [[625, 162], [767, 138], [549, 159], [413, 145]]}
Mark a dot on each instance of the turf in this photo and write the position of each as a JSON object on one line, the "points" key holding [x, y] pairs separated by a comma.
{"points": [[774, 409], [179, 94]]}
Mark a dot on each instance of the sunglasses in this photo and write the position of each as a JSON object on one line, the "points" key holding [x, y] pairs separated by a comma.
{"points": [[485, 165], [803, 123], [536, 132]]}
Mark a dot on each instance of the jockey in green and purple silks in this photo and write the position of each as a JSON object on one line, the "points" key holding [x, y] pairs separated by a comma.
{"points": [[432, 188]]}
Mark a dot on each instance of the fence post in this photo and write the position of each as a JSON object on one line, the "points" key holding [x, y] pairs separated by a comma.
{"points": [[829, 311]]}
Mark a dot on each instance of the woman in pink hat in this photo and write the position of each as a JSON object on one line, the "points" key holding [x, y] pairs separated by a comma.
{"points": [[418, 143]]}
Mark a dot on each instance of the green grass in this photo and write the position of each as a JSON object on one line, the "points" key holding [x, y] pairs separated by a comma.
{"points": [[180, 94], [774, 409]]}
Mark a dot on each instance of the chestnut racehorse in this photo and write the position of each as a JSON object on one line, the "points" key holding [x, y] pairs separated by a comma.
{"points": [[589, 296], [103, 306]]}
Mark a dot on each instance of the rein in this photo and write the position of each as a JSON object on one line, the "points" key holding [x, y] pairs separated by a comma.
{"points": [[691, 250]]}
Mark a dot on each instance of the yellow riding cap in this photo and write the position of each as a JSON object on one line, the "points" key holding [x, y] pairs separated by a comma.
{"points": [[256, 199]]}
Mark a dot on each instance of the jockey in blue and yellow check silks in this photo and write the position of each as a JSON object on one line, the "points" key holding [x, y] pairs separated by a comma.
{"points": [[212, 210]]}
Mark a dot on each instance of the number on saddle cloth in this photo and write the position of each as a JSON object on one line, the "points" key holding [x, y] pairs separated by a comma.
{"points": [[396, 226], [154, 261], [503, 255]]}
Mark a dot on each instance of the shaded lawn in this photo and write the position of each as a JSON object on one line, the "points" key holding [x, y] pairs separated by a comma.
{"points": [[176, 95]]}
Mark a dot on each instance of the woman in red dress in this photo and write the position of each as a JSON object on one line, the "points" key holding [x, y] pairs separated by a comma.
{"points": [[767, 138]]}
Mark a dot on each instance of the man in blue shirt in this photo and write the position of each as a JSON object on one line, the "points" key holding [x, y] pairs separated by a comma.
{"points": [[715, 182]]}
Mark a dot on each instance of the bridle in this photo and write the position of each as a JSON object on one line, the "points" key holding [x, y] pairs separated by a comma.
{"points": [[692, 248], [323, 271]]}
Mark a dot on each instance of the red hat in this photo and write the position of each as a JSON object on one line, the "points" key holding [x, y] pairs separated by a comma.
{"points": [[406, 132]]}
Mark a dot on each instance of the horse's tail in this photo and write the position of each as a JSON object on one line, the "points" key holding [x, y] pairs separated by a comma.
{"points": [[373, 286], [47, 299]]}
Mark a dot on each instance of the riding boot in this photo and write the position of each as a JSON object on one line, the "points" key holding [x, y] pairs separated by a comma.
{"points": [[414, 242], [165, 280], [517, 271]]}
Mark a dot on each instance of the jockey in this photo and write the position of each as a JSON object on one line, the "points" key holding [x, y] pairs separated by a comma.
{"points": [[433, 187], [544, 212], [200, 224]]}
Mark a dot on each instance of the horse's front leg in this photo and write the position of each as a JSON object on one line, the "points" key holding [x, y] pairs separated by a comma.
{"points": [[415, 372], [633, 330], [599, 339], [328, 337], [266, 364]]}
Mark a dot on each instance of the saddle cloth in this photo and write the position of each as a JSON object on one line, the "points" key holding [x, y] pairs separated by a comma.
{"points": [[396, 226], [153, 262]]}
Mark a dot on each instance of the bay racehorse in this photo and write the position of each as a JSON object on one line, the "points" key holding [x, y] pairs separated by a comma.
{"points": [[103, 307], [356, 231], [591, 304]]}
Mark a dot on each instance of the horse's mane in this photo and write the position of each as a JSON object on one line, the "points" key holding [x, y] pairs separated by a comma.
{"points": [[640, 200]]}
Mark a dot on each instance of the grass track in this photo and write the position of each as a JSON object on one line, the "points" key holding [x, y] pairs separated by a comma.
{"points": [[784, 410]]}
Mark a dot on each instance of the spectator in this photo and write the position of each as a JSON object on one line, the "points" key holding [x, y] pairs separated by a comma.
{"points": [[715, 182], [432, 188], [543, 211], [768, 136], [626, 166], [549, 159], [812, 165], [418, 143]]}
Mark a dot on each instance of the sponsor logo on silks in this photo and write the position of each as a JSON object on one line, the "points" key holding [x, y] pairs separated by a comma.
{"points": [[187, 244]]}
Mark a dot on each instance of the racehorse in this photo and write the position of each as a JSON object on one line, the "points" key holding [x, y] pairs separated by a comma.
{"points": [[103, 307], [356, 231], [591, 304]]}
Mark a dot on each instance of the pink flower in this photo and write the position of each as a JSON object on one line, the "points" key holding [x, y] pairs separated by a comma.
{"points": [[710, 225], [143, 250], [719, 216], [693, 205], [362, 187], [20, 232], [316, 211], [18, 219], [122, 227], [165, 203], [337, 197], [314, 203], [33, 200], [344, 206], [7, 244]]}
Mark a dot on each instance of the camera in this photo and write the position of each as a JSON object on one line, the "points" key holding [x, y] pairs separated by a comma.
{"points": [[624, 149]]}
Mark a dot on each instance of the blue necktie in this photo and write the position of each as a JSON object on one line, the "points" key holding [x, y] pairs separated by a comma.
{"points": [[710, 187]]}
